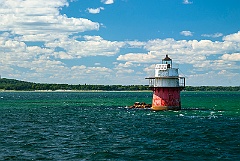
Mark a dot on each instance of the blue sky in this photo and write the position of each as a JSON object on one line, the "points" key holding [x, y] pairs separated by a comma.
{"points": [[119, 41]]}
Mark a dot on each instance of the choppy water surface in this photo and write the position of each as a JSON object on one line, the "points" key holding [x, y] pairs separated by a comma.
{"points": [[98, 126]]}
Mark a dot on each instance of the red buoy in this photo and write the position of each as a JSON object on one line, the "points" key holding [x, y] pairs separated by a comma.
{"points": [[166, 86]]}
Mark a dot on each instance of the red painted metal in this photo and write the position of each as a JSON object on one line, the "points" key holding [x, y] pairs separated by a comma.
{"points": [[166, 98]]}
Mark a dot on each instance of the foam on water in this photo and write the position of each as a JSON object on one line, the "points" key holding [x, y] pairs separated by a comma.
{"points": [[98, 126]]}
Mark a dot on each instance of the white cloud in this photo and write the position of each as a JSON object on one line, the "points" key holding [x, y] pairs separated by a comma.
{"points": [[24, 22], [40, 20], [186, 33], [137, 57], [149, 70], [91, 75], [231, 57], [95, 10], [97, 64], [233, 37], [95, 70], [198, 54], [187, 2], [213, 78], [40, 61], [136, 44], [125, 65], [212, 35], [191, 47], [125, 71], [90, 46], [107, 1]]}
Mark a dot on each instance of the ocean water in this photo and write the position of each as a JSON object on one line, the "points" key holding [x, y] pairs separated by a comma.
{"points": [[98, 126]]}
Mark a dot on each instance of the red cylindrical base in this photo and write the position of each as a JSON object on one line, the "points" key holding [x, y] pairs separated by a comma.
{"points": [[166, 98]]}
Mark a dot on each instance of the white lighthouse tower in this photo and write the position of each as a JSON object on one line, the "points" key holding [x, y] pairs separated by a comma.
{"points": [[166, 86]]}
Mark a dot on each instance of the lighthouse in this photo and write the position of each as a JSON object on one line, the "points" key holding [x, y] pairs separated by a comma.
{"points": [[166, 86]]}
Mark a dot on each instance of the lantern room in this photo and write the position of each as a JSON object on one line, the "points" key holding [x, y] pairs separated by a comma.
{"points": [[167, 61]]}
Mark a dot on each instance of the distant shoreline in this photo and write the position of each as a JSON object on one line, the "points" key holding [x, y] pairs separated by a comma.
{"points": [[17, 85], [70, 91], [86, 91]]}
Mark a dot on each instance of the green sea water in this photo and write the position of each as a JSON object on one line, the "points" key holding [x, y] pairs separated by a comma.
{"points": [[99, 126]]}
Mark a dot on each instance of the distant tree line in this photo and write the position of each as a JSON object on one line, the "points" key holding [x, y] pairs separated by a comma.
{"points": [[212, 88], [12, 84]]}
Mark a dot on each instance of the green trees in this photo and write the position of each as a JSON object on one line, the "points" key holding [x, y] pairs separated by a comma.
{"points": [[212, 88], [12, 84]]}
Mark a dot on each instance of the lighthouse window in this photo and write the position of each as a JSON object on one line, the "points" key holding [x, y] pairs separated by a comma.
{"points": [[161, 67]]}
